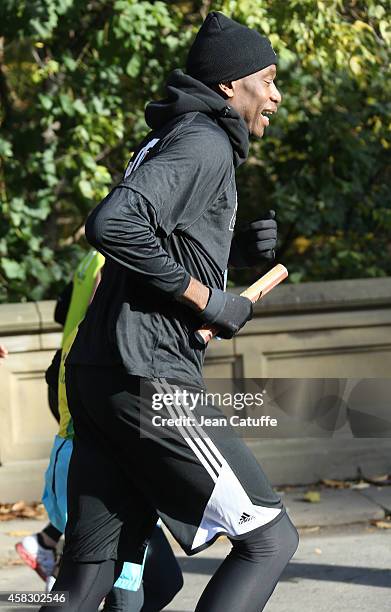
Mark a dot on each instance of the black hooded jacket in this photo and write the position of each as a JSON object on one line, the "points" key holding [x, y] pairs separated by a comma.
{"points": [[171, 217]]}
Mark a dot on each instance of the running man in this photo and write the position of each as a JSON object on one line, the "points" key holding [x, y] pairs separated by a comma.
{"points": [[166, 232]]}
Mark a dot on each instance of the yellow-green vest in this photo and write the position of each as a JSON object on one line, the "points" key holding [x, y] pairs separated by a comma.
{"points": [[84, 280]]}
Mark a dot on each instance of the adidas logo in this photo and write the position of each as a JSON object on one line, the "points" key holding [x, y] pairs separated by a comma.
{"points": [[245, 518]]}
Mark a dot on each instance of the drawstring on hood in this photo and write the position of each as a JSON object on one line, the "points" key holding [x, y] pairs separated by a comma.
{"points": [[186, 95]]}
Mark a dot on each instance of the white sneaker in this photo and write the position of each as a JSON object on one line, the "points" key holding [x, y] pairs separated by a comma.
{"points": [[50, 580], [40, 559]]}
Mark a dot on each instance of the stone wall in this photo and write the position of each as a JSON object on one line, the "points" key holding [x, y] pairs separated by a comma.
{"points": [[332, 329]]}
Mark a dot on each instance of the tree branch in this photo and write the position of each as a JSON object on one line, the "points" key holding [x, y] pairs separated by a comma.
{"points": [[75, 235], [204, 10], [5, 94]]}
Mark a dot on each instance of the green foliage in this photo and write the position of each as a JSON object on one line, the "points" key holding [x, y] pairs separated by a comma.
{"points": [[325, 162], [74, 80]]}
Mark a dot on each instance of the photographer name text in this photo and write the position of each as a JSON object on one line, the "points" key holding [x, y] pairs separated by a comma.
{"points": [[235, 421]]}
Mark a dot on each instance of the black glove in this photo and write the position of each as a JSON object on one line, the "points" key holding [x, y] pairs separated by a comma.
{"points": [[227, 312], [254, 243]]}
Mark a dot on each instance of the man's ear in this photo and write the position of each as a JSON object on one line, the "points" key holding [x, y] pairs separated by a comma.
{"points": [[227, 88]]}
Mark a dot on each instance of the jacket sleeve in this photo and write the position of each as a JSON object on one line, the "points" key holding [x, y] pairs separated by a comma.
{"points": [[186, 177], [123, 227]]}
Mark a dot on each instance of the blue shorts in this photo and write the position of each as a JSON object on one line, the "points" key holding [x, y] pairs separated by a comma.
{"points": [[54, 499], [55, 492]]}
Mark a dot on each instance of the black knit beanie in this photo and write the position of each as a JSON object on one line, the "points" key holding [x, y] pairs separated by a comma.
{"points": [[225, 50]]}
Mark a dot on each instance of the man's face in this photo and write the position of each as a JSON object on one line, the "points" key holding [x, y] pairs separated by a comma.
{"points": [[255, 97]]}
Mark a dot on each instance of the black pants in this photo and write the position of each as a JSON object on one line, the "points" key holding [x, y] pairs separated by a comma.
{"points": [[162, 580], [201, 483], [125, 469], [244, 581]]}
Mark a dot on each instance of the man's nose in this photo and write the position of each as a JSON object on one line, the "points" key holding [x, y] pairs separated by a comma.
{"points": [[276, 95]]}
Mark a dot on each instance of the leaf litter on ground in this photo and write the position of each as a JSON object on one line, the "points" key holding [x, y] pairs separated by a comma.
{"points": [[382, 523], [22, 510]]}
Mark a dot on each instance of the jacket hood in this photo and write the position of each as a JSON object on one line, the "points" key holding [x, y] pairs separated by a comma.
{"points": [[186, 95]]}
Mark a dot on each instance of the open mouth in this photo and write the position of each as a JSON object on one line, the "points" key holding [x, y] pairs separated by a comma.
{"points": [[265, 116]]}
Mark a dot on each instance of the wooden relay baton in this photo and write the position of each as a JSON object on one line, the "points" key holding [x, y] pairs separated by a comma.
{"points": [[257, 290]]}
